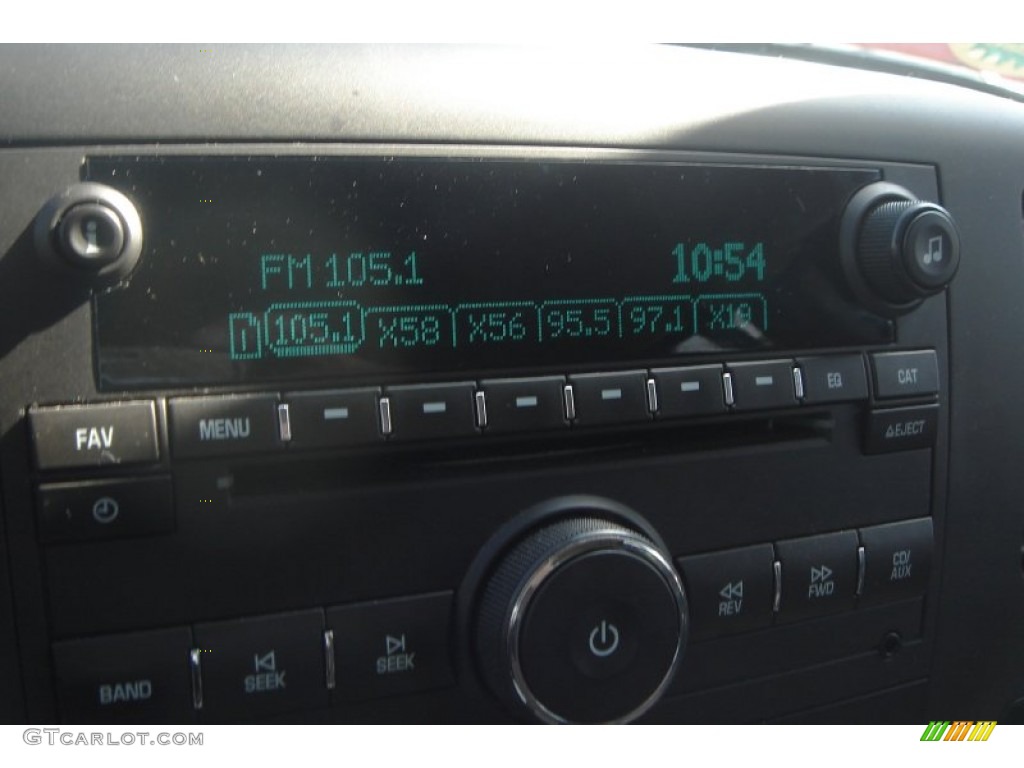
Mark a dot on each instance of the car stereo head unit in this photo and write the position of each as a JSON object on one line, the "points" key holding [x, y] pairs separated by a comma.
{"points": [[567, 435]]}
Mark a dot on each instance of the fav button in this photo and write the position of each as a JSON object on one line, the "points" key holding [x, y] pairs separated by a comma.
{"points": [[71, 436], [391, 647], [214, 426]]}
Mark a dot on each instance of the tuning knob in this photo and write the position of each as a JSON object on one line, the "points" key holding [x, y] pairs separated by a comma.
{"points": [[584, 620], [89, 232], [897, 250]]}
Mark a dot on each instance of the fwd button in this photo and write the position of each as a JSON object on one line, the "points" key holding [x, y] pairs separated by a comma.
{"points": [[819, 574]]}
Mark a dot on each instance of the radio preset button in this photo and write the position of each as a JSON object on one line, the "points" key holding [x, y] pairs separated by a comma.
{"points": [[391, 647], [71, 436], [333, 418], [906, 374], [141, 677], [521, 405], [105, 509], [610, 398], [819, 574], [423, 411], [763, 385], [901, 429], [214, 426], [897, 559], [692, 391], [261, 666], [729, 591], [833, 379]]}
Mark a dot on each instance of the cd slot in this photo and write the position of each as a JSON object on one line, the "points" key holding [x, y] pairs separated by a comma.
{"points": [[323, 472]]}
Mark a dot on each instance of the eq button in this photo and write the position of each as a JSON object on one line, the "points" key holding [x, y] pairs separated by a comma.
{"points": [[833, 379]]}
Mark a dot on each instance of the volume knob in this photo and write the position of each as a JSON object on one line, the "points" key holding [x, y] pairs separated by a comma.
{"points": [[583, 621], [900, 250]]}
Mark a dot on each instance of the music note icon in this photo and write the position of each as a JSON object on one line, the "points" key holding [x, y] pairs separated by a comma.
{"points": [[934, 254]]}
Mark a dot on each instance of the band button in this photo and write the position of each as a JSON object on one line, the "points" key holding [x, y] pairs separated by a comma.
{"points": [[141, 677]]}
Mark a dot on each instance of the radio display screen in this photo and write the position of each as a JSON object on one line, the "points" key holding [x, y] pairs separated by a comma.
{"points": [[265, 269]]}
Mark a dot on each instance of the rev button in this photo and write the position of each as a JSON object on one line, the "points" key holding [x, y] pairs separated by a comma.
{"points": [[729, 591], [69, 436], [213, 426]]}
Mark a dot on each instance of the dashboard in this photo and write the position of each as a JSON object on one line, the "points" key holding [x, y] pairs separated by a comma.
{"points": [[504, 384]]}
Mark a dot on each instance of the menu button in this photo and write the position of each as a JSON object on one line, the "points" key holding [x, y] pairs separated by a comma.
{"points": [[208, 426]]}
